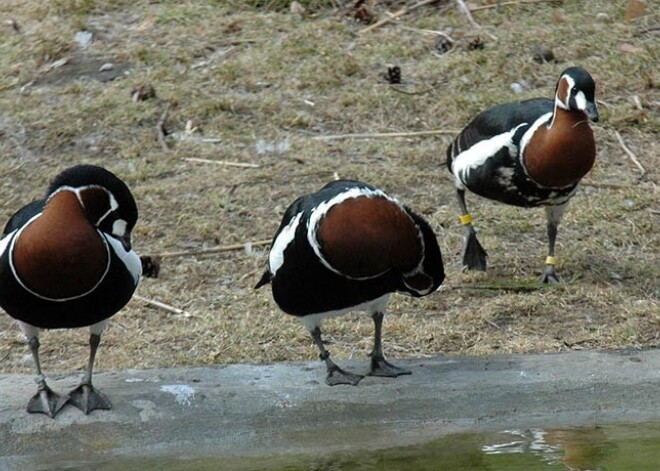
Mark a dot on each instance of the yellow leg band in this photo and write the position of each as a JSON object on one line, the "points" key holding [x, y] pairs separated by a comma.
{"points": [[465, 219], [550, 260]]}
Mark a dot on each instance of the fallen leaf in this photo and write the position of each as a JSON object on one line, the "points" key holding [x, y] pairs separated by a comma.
{"points": [[635, 9]]}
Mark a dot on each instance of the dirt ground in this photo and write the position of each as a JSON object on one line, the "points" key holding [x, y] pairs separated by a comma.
{"points": [[266, 87]]}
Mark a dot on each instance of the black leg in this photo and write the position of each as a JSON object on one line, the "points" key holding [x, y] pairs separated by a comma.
{"points": [[85, 397], [335, 374], [45, 401], [553, 215], [380, 366], [473, 254]]}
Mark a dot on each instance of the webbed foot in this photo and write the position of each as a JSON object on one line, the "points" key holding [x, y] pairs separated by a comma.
{"points": [[381, 367], [86, 398], [474, 255], [46, 401], [550, 277], [338, 376]]}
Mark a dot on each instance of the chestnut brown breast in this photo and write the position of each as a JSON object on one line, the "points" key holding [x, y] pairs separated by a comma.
{"points": [[562, 154], [363, 237], [60, 254]]}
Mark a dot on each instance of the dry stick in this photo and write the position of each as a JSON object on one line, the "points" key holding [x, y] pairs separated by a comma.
{"points": [[210, 250], [160, 305], [504, 4], [614, 186], [630, 154], [385, 134], [428, 31], [393, 16], [498, 287], [465, 9], [222, 162], [160, 129], [420, 92]]}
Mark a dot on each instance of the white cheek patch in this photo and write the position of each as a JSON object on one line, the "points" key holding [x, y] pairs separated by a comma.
{"points": [[562, 101], [581, 101], [119, 228]]}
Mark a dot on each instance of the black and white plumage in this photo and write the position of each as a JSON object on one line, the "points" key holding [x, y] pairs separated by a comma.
{"points": [[528, 154], [348, 247], [65, 262]]}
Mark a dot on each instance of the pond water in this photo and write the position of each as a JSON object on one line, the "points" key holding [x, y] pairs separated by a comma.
{"points": [[621, 448]]}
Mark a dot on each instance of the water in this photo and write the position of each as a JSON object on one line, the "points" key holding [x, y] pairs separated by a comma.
{"points": [[619, 448]]}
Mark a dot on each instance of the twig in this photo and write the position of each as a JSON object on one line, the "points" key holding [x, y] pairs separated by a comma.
{"points": [[385, 134], [11, 170], [630, 154], [466, 10], [210, 250], [396, 15], [498, 327], [184, 136], [614, 186], [420, 92], [428, 31], [504, 4], [163, 306], [514, 289], [160, 129], [222, 162], [647, 30], [237, 42]]}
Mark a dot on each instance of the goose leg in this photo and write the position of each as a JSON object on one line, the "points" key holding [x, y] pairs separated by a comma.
{"points": [[553, 215], [380, 366], [85, 397], [45, 401], [473, 254], [335, 374]]}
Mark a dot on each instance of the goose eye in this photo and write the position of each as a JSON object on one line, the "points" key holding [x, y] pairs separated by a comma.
{"points": [[573, 91]]}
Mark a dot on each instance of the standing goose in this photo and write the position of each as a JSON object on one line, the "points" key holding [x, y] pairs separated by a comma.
{"points": [[530, 153], [66, 262], [348, 247]]}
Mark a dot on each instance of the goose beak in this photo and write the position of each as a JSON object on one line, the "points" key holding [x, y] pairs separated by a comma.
{"points": [[592, 112]]}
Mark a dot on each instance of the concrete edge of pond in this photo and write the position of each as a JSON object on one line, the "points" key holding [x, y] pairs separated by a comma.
{"points": [[285, 408]]}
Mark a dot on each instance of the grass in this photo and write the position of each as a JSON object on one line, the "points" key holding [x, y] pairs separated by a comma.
{"points": [[256, 76]]}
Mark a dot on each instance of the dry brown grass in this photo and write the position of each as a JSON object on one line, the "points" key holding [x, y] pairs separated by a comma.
{"points": [[258, 79]]}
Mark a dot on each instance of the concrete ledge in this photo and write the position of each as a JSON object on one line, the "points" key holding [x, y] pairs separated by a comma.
{"points": [[261, 410]]}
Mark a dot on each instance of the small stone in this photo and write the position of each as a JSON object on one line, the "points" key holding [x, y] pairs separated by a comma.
{"points": [[517, 88], [83, 38], [106, 67], [602, 16], [297, 10]]}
